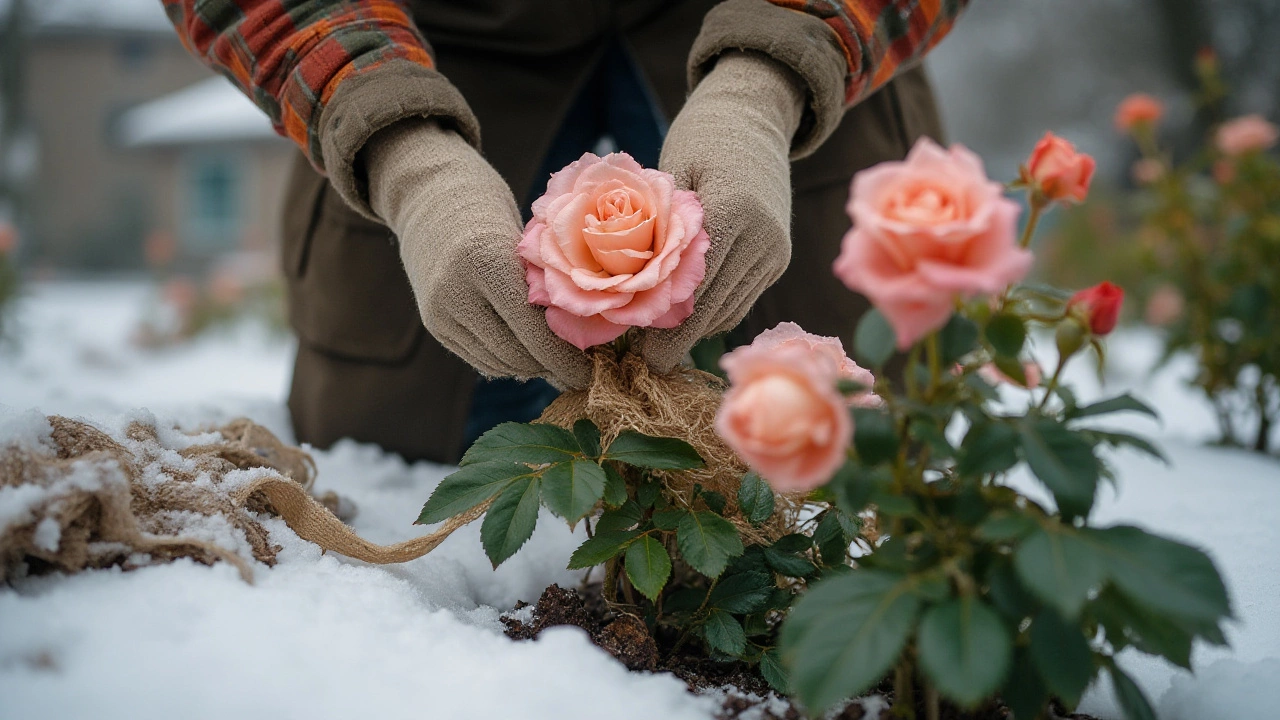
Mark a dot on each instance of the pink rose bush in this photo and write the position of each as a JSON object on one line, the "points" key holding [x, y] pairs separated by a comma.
{"points": [[1251, 133], [927, 232], [783, 413], [1138, 111], [613, 245]]}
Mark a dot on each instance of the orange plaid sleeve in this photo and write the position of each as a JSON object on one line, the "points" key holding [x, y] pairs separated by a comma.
{"points": [[289, 56], [880, 37]]}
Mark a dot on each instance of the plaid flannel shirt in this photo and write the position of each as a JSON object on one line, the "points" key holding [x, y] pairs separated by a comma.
{"points": [[289, 56]]}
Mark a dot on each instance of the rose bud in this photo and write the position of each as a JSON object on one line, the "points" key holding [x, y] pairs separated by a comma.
{"points": [[783, 414], [1058, 170], [1098, 306], [1138, 110], [994, 376], [1247, 134]]}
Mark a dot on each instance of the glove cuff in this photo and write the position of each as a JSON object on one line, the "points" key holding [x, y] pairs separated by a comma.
{"points": [[797, 40]]}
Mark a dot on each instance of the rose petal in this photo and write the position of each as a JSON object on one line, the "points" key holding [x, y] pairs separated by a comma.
{"points": [[582, 332], [568, 295]]}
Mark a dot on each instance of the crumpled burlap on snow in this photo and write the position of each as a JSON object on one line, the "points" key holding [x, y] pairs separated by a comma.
{"points": [[94, 501]]}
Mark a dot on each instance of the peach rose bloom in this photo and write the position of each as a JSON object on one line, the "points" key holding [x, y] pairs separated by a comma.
{"points": [[1251, 133], [782, 413], [1164, 306], [1138, 109], [926, 231], [612, 245], [790, 334], [1059, 170], [993, 375]]}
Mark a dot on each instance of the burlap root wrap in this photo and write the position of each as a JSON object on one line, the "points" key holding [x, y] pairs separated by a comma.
{"points": [[627, 395], [93, 501]]}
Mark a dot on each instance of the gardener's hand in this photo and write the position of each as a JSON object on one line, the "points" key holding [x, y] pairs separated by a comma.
{"points": [[458, 228], [730, 145]]}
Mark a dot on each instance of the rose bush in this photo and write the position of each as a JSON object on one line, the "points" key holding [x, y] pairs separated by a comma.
{"points": [[612, 245]]}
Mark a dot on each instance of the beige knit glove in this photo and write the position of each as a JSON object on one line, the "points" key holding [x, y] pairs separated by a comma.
{"points": [[458, 228], [730, 145]]}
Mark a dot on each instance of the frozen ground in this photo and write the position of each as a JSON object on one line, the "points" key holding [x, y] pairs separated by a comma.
{"points": [[325, 637]]}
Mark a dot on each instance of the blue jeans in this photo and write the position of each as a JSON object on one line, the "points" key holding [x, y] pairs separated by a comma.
{"points": [[615, 103]]}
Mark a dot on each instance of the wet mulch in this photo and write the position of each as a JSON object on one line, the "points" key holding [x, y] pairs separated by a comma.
{"points": [[745, 692]]}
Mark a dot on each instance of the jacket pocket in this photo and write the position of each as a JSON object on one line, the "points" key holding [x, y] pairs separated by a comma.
{"points": [[348, 293]]}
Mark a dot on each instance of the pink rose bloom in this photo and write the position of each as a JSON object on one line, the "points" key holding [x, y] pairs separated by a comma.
{"points": [[789, 334], [8, 238], [926, 231], [993, 375], [782, 413], [613, 245], [1138, 109], [1247, 134], [1164, 306], [1060, 171]]}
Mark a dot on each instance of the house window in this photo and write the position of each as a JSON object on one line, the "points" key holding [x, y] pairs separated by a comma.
{"points": [[215, 206]]}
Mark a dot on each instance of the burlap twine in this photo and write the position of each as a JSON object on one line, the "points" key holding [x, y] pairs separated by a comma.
{"points": [[626, 395], [127, 503]]}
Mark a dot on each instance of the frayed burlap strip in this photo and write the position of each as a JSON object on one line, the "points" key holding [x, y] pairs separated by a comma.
{"points": [[128, 503], [626, 395]]}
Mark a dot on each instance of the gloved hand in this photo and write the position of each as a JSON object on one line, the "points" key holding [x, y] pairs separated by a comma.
{"points": [[458, 227], [730, 144]]}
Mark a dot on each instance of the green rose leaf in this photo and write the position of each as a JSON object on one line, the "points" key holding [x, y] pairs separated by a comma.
{"points": [[874, 341], [846, 632], [615, 486], [1062, 656], [1131, 698], [532, 443], [772, 671], [957, 338], [742, 593], [965, 649], [510, 520], [723, 633], [1060, 568], [1161, 574], [655, 453], [1007, 334], [788, 564], [601, 548], [755, 498], [1064, 462], [648, 566], [874, 436], [1119, 403], [624, 517], [468, 487], [988, 448], [588, 437], [707, 541], [1024, 692], [572, 489]]}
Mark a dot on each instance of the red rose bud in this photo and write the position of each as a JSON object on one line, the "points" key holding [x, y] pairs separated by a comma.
{"points": [[1099, 306], [1058, 170]]}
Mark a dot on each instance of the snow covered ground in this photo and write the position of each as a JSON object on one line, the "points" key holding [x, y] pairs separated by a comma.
{"points": [[326, 637]]}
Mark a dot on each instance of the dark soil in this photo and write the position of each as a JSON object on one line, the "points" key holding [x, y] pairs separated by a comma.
{"points": [[627, 638]]}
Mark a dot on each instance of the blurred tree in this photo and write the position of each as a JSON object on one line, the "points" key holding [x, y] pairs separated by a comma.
{"points": [[16, 157]]}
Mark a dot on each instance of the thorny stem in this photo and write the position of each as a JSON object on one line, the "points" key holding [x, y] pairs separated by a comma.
{"points": [[688, 630], [611, 581], [935, 363], [932, 708], [904, 705], [1038, 204], [1053, 383], [913, 391]]}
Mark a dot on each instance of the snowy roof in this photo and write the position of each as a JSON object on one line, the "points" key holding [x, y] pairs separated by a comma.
{"points": [[209, 111], [119, 15]]}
